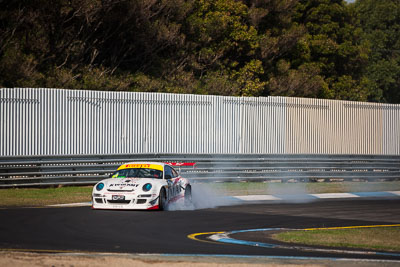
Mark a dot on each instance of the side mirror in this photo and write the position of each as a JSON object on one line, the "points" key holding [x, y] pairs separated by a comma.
{"points": [[167, 176]]}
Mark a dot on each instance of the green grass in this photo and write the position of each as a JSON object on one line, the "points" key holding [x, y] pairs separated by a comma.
{"points": [[31, 197], [380, 238]]}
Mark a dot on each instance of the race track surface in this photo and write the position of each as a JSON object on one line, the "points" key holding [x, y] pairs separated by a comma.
{"points": [[83, 229]]}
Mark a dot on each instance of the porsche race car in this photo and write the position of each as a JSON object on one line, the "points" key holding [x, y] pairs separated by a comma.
{"points": [[142, 185]]}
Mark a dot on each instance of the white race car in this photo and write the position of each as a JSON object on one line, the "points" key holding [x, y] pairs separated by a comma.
{"points": [[142, 185]]}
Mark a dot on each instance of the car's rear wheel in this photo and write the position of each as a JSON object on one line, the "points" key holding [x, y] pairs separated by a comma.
{"points": [[162, 200], [188, 195]]}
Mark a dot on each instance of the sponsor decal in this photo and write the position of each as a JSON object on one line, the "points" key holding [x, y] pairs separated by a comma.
{"points": [[122, 185], [138, 166]]}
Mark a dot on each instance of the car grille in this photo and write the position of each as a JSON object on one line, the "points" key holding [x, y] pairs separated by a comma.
{"points": [[141, 201], [99, 200]]}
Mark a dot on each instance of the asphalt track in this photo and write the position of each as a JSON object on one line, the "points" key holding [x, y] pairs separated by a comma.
{"points": [[82, 229]]}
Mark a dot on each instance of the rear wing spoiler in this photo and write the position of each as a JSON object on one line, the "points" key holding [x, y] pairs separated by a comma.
{"points": [[180, 164]]}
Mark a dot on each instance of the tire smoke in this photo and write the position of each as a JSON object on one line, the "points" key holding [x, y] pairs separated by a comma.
{"points": [[204, 197]]}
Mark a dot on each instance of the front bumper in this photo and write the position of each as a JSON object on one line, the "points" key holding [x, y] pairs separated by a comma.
{"points": [[125, 201]]}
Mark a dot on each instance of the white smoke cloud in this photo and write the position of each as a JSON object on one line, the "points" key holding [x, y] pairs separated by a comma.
{"points": [[204, 196]]}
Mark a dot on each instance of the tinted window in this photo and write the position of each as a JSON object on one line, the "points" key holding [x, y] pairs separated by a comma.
{"points": [[168, 172], [138, 173], [174, 173]]}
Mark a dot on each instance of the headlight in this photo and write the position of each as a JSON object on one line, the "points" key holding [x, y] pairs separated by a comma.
{"points": [[147, 187], [99, 186]]}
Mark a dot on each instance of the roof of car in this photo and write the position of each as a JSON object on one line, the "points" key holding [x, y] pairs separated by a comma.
{"points": [[143, 164], [146, 162]]}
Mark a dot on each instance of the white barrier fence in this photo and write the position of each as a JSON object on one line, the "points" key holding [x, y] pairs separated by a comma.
{"points": [[61, 122]]}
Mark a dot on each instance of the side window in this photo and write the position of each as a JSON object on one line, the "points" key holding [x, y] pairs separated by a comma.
{"points": [[168, 172], [174, 173]]}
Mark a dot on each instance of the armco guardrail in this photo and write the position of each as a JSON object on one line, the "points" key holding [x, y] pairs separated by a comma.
{"points": [[89, 169]]}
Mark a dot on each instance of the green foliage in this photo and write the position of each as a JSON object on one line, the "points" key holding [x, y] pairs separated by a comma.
{"points": [[302, 82], [247, 78], [219, 83], [381, 25], [223, 42], [334, 45], [305, 48]]}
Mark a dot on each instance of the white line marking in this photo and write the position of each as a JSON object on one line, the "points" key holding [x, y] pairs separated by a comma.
{"points": [[257, 197], [334, 195], [394, 192]]}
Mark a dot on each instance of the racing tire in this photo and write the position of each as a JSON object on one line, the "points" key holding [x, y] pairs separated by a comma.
{"points": [[188, 195], [162, 200]]}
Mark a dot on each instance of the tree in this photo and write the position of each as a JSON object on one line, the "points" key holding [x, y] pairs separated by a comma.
{"points": [[334, 46], [305, 48], [280, 37], [223, 45], [381, 26]]}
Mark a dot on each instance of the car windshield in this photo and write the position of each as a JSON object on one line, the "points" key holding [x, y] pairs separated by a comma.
{"points": [[138, 173]]}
